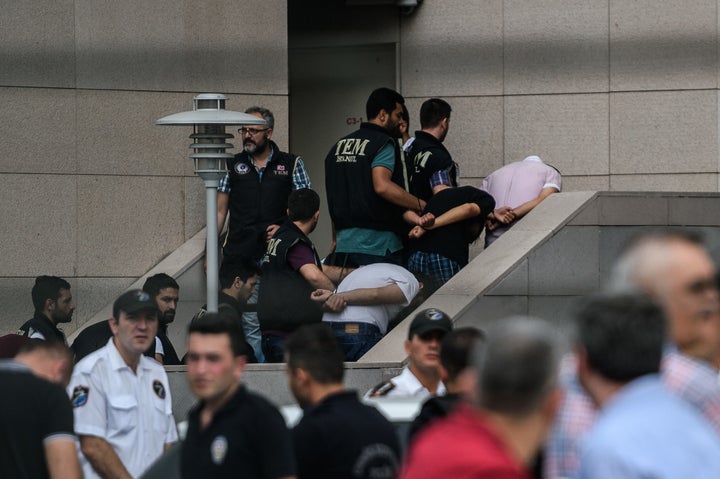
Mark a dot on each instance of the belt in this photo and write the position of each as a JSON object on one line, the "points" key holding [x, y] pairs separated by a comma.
{"points": [[352, 328]]}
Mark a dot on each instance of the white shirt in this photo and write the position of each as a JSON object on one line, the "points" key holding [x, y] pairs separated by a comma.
{"points": [[407, 385], [375, 276], [132, 412]]}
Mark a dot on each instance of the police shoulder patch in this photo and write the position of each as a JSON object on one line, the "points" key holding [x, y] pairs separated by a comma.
{"points": [[159, 389], [382, 389], [80, 396]]}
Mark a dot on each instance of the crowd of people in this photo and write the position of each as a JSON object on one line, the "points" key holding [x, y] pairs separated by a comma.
{"points": [[637, 397]]}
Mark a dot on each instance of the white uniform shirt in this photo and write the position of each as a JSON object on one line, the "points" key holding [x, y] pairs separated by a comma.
{"points": [[407, 385], [132, 412], [375, 276]]}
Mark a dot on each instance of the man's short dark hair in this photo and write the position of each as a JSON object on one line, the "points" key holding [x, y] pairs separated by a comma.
{"points": [[433, 111], [47, 287], [236, 267], [457, 347], [303, 204], [623, 335], [217, 323], [159, 281], [517, 366], [382, 99], [315, 349], [265, 113], [406, 115], [56, 350]]}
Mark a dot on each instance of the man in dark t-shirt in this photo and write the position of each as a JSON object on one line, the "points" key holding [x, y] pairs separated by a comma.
{"points": [[36, 419], [232, 432], [441, 251], [338, 436]]}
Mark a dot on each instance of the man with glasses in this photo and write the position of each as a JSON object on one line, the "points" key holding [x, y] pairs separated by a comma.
{"points": [[255, 192], [675, 270]]}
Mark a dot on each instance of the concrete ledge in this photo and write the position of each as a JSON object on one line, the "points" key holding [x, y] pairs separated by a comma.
{"points": [[175, 264], [270, 380]]}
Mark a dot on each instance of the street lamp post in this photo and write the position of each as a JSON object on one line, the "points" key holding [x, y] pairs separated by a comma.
{"points": [[209, 118]]}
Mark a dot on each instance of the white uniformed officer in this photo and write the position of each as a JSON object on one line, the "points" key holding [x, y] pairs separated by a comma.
{"points": [[421, 377], [121, 399]]}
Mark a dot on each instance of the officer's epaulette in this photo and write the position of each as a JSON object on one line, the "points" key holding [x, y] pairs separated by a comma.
{"points": [[382, 389]]}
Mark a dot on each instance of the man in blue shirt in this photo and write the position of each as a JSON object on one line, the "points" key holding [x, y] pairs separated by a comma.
{"points": [[643, 430]]}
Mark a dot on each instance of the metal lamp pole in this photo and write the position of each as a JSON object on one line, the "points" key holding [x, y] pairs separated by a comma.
{"points": [[209, 118]]}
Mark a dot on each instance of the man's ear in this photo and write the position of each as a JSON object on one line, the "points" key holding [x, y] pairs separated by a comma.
{"points": [[240, 363], [316, 216], [407, 346], [50, 304], [113, 322]]}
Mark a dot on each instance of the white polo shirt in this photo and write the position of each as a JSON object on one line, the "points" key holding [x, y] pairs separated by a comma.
{"points": [[132, 412], [375, 275]]}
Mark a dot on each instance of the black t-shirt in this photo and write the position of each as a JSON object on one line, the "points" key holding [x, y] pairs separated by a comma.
{"points": [[342, 438], [31, 410], [451, 241], [247, 438], [433, 408], [93, 338]]}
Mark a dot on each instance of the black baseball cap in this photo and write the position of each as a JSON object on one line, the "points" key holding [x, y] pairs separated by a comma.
{"points": [[430, 320], [133, 301]]}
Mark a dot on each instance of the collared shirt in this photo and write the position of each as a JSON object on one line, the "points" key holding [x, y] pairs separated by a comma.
{"points": [[517, 183], [646, 431], [405, 385], [131, 411], [246, 438], [690, 379], [301, 179]]}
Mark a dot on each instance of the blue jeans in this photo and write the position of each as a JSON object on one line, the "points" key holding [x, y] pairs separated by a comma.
{"points": [[251, 326], [272, 347], [356, 339]]}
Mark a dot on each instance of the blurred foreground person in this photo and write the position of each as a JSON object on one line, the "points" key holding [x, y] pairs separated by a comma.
{"points": [[36, 420], [643, 430], [517, 397], [338, 436], [232, 432]]}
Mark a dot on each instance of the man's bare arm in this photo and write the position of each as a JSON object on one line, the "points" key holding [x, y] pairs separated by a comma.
{"points": [[62, 459], [384, 186], [223, 200], [390, 294], [526, 207], [316, 277], [103, 458], [336, 273], [453, 215]]}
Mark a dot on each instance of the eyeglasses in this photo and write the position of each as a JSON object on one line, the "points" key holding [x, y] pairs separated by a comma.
{"points": [[251, 131], [703, 285]]}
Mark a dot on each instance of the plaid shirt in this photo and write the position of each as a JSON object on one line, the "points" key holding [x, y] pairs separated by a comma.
{"points": [[434, 265], [689, 378], [301, 179]]}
